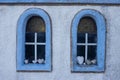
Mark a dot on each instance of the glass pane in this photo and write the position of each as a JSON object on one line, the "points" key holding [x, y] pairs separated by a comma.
{"points": [[35, 24], [92, 38], [80, 38], [41, 53], [81, 54], [87, 25], [29, 53], [29, 37], [92, 54], [41, 37]]}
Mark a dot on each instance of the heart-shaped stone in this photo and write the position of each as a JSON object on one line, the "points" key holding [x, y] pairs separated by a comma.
{"points": [[80, 59]]}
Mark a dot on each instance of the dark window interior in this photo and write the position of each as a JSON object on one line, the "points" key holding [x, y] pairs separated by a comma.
{"points": [[35, 25], [41, 37], [29, 53], [81, 52], [87, 35]]}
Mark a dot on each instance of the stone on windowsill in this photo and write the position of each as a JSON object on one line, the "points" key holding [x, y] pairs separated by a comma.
{"points": [[26, 61], [80, 60], [40, 61], [93, 61], [34, 61]]}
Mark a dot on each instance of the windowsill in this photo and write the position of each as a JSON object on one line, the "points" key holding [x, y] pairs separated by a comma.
{"points": [[86, 65], [34, 67], [86, 68]]}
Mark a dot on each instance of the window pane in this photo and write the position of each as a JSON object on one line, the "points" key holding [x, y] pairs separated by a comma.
{"points": [[29, 50], [41, 52], [87, 25], [35, 24], [81, 52], [80, 38], [92, 38], [41, 37], [92, 54], [30, 37]]}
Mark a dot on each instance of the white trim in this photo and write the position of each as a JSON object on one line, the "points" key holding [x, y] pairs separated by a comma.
{"points": [[35, 47], [30, 43], [89, 44], [86, 47]]}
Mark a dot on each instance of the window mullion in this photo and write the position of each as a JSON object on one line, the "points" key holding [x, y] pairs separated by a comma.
{"points": [[35, 47], [86, 47], [41, 43], [29, 43]]}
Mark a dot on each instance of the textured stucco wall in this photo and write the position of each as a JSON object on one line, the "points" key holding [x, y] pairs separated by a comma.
{"points": [[61, 17]]}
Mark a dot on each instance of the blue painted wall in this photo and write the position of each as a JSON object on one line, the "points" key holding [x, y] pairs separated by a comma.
{"points": [[62, 1]]}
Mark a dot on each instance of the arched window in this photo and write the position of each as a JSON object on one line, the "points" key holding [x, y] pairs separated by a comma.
{"points": [[88, 41], [34, 41]]}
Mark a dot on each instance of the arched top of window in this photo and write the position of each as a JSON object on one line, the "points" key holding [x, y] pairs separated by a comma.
{"points": [[35, 24], [34, 41], [87, 25], [93, 15], [88, 41]]}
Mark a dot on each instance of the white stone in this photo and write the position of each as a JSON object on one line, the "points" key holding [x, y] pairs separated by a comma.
{"points": [[26, 61], [93, 61], [88, 62], [40, 61], [80, 59], [34, 61]]}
